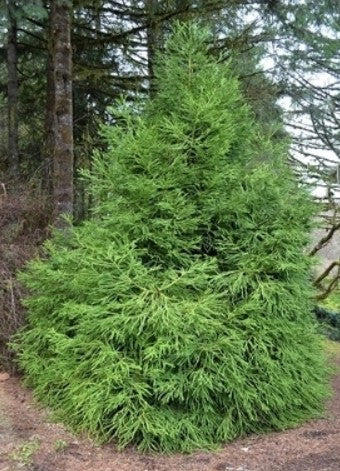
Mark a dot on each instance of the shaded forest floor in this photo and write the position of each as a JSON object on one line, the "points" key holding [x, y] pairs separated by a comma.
{"points": [[30, 441]]}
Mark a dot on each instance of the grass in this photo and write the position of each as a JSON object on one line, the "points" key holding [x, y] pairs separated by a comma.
{"points": [[60, 445], [23, 455], [332, 302], [332, 348]]}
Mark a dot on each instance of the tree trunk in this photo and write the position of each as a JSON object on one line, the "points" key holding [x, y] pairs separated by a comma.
{"points": [[49, 117], [63, 111], [12, 90], [153, 38]]}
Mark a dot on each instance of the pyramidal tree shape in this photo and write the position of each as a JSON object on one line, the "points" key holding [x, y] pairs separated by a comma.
{"points": [[178, 316]]}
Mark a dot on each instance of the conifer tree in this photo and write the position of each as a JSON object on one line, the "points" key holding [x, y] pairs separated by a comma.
{"points": [[178, 316]]}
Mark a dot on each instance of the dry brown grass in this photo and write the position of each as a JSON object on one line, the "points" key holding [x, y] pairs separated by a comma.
{"points": [[24, 218]]}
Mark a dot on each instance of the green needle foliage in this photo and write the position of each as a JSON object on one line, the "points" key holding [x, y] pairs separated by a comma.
{"points": [[178, 317]]}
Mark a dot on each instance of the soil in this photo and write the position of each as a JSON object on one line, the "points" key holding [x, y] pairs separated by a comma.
{"points": [[31, 441]]}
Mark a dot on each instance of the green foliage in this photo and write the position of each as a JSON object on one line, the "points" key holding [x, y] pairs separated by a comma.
{"points": [[23, 455], [60, 445], [328, 314], [332, 302], [329, 322], [178, 316]]}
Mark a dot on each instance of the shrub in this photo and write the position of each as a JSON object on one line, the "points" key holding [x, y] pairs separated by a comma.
{"points": [[329, 322], [178, 317]]}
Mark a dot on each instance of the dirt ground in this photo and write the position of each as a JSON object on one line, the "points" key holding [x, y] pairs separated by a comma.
{"points": [[30, 441]]}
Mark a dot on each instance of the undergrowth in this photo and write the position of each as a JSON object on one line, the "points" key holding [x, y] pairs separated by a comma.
{"points": [[23, 227]]}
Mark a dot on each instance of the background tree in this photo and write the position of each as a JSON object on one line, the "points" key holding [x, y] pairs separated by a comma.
{"points": [[62, 111], [12, 89]]}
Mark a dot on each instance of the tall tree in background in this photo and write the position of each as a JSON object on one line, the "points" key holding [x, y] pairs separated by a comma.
{"points": [[153, 38], [62, 110], [12, 90], [49, 112]]}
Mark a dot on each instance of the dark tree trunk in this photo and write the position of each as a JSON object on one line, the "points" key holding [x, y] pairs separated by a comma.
{"points": [[153, 38], [49, 117], [12, 90], [63, 112]]}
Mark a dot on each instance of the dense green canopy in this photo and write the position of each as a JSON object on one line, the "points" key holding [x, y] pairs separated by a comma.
{"points": [[178, 316]]}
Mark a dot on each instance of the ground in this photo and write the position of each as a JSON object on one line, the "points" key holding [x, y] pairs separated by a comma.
{"points": [[31, 441]]}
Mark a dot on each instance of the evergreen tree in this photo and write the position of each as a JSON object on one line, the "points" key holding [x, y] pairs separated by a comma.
{"points": [[178, 317]]}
